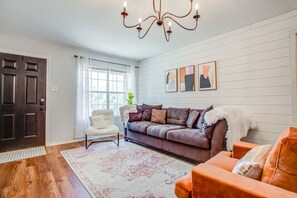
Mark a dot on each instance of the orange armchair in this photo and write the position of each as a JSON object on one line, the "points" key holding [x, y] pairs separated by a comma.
{"points": [[215, 179], [211, 181]]}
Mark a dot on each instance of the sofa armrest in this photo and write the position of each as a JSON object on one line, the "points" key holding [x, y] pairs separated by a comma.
{"points": [[211, 181], [218, 140], [241, 148]]}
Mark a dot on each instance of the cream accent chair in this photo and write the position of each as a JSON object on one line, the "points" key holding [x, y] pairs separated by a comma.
{"points": [[111, 129]]}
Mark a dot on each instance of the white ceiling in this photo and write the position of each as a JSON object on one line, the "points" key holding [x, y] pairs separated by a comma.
{"points": [[96, 25]]}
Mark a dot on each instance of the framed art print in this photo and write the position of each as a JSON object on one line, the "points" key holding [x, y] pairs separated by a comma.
{"points": [[171, 80], [187, 78], [207, 76]]}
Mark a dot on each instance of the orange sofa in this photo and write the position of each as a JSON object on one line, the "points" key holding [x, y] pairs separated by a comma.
{"points": [[215, 178]]}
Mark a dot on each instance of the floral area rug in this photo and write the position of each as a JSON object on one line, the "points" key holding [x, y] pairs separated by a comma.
{"points": [[128, 171]]}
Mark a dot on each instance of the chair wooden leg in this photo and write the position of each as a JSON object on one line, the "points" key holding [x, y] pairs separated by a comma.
{"points": [[118, 139]]}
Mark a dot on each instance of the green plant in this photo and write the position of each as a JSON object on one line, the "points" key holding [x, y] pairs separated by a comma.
{"points": [[130, 98]]}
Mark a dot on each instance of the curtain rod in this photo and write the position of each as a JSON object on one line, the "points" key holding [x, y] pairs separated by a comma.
{"points": [[76, 56]]}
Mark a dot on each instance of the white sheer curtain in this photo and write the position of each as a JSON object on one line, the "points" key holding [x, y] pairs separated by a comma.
{"points": [[131, 85], [82, 97], [83, 102]]}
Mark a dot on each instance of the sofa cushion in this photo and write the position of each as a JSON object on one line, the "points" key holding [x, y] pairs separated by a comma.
{"points": [[136, 116], [223, 160], [158, 116], [188, 136], [160, 131], [147, 111], [139, 126], [280, 168], [177, 116], [202, 115], [192, 118]]}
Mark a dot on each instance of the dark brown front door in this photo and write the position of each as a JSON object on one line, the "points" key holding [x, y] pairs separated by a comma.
{"points": [[22, 101]]}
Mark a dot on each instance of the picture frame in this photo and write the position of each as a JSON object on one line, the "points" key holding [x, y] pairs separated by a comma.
{"points": [[171, 80], [187, 78], [207, 76]]}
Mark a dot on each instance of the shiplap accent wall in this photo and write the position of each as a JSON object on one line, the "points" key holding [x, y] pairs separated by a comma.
{"points": [[253, 73]]}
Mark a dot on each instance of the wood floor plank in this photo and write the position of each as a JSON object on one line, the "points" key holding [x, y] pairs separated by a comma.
{"points": [[44, 176]]}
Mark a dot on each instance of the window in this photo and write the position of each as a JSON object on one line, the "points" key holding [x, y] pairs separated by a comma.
{"points": [[100, 85], [107, 89]]}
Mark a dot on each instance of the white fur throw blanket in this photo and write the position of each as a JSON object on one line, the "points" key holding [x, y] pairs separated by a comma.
{"points": [[239, 122]]}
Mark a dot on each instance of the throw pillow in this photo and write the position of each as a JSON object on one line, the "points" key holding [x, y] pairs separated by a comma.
{"points": [[192, 118], [251, 165], [147, 111], [158, 116], [207, 130], [280, 168], [98, 122], [136, 116], [202, 115]]}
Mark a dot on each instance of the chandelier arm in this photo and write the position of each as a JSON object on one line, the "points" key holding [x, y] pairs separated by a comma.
{"points": [[190, 29], [141, 37], [168, 13], [154, 6], [133, 26], [165, 33], [147, 18], [128, 26]]}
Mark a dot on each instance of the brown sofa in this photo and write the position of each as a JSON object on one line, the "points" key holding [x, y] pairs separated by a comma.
{"points": [[175, 137], [215, 178]]}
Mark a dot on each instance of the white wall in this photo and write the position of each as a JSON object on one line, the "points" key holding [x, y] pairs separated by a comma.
{"points": [[61, 72], [253, 69]]}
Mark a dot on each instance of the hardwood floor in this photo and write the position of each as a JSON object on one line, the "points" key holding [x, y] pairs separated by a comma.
{"points": [[45, 176]]}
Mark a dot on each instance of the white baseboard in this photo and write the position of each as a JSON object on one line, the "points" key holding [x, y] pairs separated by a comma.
{"points": [[63, 142], [77, 140]]}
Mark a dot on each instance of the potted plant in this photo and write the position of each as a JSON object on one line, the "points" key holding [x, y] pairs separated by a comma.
{"points": [[130, 98]]}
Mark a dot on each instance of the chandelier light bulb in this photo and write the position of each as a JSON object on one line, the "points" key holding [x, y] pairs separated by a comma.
{"points": [[125, 4], [139, 20], [169, 29], [196, 6]]}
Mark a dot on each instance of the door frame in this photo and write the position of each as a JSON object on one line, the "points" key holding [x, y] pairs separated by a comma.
{"points": [[48, 74], [293, 54]]}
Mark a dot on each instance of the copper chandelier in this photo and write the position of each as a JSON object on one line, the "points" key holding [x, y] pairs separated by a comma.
{"points": [[160, 18]]}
